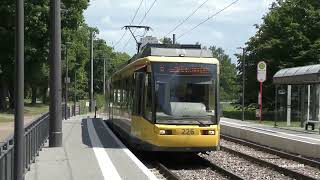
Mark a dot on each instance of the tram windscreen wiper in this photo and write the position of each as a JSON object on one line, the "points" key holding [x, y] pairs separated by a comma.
{"points": [[202, 123]]}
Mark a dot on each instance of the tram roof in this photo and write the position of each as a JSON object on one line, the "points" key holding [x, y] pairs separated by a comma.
{"points": [[174, 50], [298, 75]]}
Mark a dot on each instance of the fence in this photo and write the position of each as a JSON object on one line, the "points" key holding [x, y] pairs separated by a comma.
{"points": [[73, 110], [36, 134]]}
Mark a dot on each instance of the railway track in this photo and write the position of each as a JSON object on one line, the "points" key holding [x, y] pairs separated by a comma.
{"points": [[221, 170], [192, 166], [162, 172], [232, 162], [293, 166], [294, 157]]}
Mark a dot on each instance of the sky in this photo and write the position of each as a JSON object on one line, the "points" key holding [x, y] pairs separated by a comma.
{"points": [[229, 30]]}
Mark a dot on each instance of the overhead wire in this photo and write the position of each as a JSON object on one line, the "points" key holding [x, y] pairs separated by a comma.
{"points": [[145, 15], [210, 17], [187, 18], [133, 18]]}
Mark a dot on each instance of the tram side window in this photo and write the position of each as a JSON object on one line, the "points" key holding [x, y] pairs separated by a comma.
{"points": [[131, 86], [148, 98], [139, 93], [136, 95]]}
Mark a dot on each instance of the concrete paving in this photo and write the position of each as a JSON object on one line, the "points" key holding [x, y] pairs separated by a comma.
{"points": [[298, 142], [90, 152]]}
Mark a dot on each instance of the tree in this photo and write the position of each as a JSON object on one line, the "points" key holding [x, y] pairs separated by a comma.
{"points": [[228, 76], [166, 40], [288, 37], [75, 36], [7, 11], [114, 60], [36, 43]]}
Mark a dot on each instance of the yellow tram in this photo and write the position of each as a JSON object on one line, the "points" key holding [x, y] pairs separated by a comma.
{"points": [[167, 99]]}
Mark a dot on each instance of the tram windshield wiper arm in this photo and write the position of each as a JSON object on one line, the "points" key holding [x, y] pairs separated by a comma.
{"points": [[203, 124]]}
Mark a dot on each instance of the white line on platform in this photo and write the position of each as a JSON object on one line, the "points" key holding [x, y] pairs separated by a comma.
{"points": [[144, 169], [105, 163], [278, 132]]}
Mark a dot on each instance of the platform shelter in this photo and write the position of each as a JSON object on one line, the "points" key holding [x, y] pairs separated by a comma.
{"points": [[297, 95]]}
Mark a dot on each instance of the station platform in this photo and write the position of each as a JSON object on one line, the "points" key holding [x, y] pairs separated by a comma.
{"points": [[290, 140], [90, 151]]}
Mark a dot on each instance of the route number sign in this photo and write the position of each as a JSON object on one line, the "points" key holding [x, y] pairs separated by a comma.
{"points": [[261, 71]]}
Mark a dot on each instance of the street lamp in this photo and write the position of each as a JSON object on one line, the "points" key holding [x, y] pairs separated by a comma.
{"points": [[66, 80], [75, 84], [55, 132], [19, 149], [104, 77], [91, 72], [243, 79]]}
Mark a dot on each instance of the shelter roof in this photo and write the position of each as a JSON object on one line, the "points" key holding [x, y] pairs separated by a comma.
{"points": [[298, 75]]}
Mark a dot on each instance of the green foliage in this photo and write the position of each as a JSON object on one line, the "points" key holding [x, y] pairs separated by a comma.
{"points": [[228, 85], [113, 60], [288, 37], [75, 39], [166, 40], [100, 101]]}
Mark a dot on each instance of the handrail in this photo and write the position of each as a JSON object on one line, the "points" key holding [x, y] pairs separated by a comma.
{"points": [[36, 135]]}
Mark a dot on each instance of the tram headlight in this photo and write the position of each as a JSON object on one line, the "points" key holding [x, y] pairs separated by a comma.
{"points": [[208, 132], [162, 132], [165, 132]]}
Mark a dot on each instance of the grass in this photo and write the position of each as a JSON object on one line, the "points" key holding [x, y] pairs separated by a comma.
{"points": [[35, 109], [232, 112], [4, 117], [29, 110]]}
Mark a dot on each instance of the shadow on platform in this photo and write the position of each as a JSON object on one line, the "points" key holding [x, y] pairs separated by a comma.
{"points": [[106, 139]]}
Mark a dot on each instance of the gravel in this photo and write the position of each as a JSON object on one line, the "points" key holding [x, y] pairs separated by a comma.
{"points": [[286, 163], [157, 173], [242, 167], [190, 166]]}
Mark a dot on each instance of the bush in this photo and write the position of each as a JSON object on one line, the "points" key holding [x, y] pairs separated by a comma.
{"points": [[100, 101]]}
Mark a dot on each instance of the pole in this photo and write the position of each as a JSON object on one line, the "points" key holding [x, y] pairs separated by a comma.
{"points": [[260, 102], [75, 88], [66, 85], [243, 80], [91, 73], [174, 39], [55, 134], [289, 106], [308, 110], [104, 77], [19, 94], [276, 107]]}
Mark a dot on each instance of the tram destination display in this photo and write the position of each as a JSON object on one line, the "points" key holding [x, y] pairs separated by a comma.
{"points": [[184, 68]]}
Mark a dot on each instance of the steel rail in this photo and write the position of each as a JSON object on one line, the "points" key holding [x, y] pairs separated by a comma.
{"points": [[285, 171], [168, 174], [220, 169], [294, 157]]}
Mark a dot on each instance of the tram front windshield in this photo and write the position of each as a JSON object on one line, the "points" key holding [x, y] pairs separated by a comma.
{"points": [[185, 93]]}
